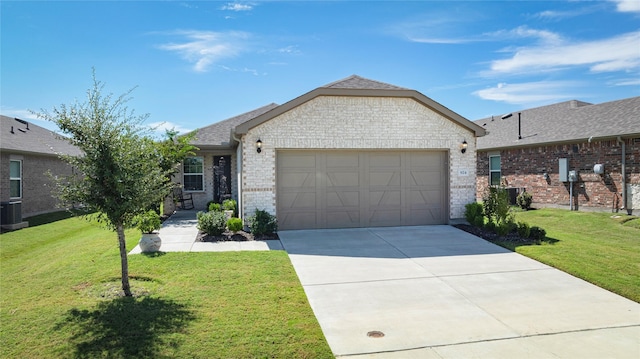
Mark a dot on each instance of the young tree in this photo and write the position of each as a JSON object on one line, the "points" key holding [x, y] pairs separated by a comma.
{"points": [[118, 175]]}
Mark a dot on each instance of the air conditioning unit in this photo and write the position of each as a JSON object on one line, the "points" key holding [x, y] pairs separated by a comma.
{"points": [[11, 212]]}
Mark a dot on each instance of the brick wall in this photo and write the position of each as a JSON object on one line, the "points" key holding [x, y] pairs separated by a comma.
{"points": [[37, 196], [525, 168], [332, 122]]}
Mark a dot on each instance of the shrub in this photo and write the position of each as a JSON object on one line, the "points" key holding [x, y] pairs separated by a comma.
{"points": [[524, 200], [524, 231], [537, 234], [478, 221], [234, 224], [473, 211], [212, 223], [262, 222], [214, 207], [147, 222], [504, 228], [496, 205], [229, 205]]}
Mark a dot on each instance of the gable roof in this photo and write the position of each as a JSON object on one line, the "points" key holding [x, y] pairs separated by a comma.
{"points": [[218, 135], [357, 86], [564, 122], [20, 136]]}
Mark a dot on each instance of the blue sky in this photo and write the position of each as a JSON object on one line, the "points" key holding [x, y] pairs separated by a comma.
{"points": [[194, 63]]}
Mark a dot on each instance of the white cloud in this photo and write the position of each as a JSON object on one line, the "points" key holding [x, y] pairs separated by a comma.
{"points": [[159, 128], [613, 54], [530, 92], [204, 48], [238, 7], [627, 5]]}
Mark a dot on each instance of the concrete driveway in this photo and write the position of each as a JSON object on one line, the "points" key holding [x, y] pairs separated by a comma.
{"points": [[439, 292]]}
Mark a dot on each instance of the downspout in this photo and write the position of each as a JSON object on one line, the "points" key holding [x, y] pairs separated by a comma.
{"points": [[239, 173], [623, 172]]}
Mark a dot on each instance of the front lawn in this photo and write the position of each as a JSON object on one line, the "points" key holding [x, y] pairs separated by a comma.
{"points": [[58, 285], [598, 247]]}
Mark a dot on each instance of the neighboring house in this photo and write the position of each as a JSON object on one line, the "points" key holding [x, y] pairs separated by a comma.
{"points": [[535, 149], [27, 153], [353, 153]]}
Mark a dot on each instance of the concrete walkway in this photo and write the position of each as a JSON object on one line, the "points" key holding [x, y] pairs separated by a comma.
{"points": [[439, 292], [179, 233]]}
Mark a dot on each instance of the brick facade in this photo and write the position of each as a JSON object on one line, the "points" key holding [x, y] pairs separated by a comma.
{"points": [[525, 168], [37, 186], [340, 122]]}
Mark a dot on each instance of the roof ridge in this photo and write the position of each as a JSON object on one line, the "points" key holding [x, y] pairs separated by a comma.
{"points": [[359, 82]]}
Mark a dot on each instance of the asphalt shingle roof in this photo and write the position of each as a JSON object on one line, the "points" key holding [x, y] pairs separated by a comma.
{"points": [[219, 133], [21, 136], [563, 122], [361, 83]]}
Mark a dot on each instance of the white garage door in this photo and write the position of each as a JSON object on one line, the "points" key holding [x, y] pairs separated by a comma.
{"points": [[341, 189]]}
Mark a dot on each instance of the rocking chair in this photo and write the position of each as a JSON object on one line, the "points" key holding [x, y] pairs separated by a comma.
{"points": [[182, 200]]}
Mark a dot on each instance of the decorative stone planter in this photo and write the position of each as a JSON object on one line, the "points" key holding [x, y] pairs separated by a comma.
{"points": [[150, 242], [228, 214]]}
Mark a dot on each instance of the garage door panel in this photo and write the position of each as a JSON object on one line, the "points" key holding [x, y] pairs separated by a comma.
{"points": [[298, 180], [385, 178], [298, 220], [385, 198], [385, 217], [343, 219], [423, 178], [343, 199], [385, 159], [342, 159], [298, 200], [340, 179], [333, 189], [297, 160], [426, 198], [425, 159]]}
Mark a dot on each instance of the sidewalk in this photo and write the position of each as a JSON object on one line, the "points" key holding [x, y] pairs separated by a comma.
{"points": [[179, 233]]}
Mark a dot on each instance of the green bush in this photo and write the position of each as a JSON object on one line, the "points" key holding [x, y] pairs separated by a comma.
{"points": [[148, 222], [496, 206], [234, 224], [473, 211], [212, 223], [524, 231], [504, 228], [262, 222], [537, 234], [214, 207], [478, 221], [229, 205], [524, 200]]}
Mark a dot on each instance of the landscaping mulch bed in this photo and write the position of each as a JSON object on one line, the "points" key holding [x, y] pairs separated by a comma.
{"points": [[493, 237], [240, 236]]}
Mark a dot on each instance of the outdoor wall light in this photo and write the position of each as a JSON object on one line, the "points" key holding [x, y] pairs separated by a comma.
{"points": [[463, 146], [259, 145]]}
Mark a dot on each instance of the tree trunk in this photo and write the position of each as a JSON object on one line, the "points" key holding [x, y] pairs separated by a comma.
{"points": [[124, 261]]}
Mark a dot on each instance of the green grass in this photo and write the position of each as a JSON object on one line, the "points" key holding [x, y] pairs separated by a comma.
{"points": [[58, 298], [593, 246]]}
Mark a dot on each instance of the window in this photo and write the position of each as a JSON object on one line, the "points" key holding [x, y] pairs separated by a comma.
{"points": [[494, 170], [15, 178], [193, 173]]}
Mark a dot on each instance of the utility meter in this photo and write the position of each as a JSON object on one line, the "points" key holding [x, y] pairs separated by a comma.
{"points": [[573, 176]]}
